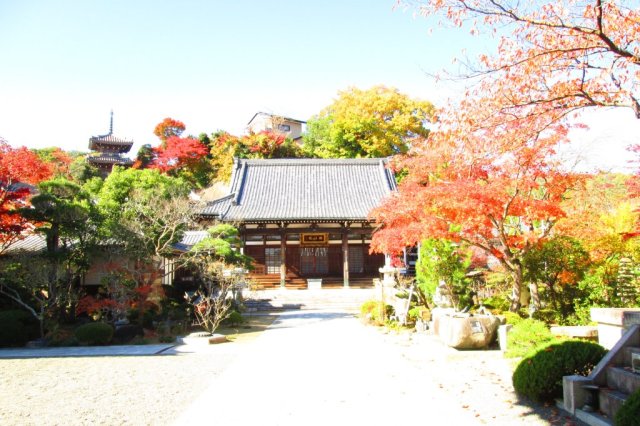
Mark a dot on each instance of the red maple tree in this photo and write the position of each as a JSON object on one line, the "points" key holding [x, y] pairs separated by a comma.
{"points": [[168, 128], [178, 153], [497, 189], [19, 170]]}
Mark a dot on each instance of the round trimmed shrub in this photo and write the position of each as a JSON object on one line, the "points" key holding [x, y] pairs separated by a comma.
{"points": [[539, 376], [12, 333], [94, 333], [17, 327], [527, 336], [629, 413]]}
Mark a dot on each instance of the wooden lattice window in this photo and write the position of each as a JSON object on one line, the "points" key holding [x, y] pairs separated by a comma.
{"points": [[272, 260], [356, 260], [314, 260]]}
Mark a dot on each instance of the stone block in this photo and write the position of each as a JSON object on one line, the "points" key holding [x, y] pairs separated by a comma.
{"points": [[217, 338], [581, 332], [314, 283], [574, 395], [503, 330], [468, 332], [612, 323]]}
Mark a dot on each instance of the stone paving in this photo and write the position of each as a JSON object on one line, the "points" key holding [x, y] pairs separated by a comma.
{"points": [[323, 368]]}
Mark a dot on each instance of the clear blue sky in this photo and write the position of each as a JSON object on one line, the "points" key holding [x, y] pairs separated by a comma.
{"points": [[211, 64]]}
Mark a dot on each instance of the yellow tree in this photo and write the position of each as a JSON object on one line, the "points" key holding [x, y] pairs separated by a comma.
{"points": [[377, 122]]}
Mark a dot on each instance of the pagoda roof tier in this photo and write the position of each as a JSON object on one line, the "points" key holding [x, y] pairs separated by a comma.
{"points": [[111, 142], [110, 158]]}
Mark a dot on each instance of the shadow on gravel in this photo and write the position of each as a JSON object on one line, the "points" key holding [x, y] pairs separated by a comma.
{"points": [[547, 412]]}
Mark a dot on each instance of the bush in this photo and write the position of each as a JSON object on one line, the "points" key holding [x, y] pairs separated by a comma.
{"points": [[17, 328], [94, 333], [61, 336], [629, 413], [148, 316], [539, 376], [166, 339], [496, 304], [375, 314], [126, 333], [12, 333], [367, 307], [512, 318], [527, 336], [419, 313], [370, 310], [548, 316], [234, 319]]}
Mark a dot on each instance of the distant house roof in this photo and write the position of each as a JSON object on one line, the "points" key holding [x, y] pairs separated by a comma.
{"points": [[275, 115], [303, 190], [189, 239], [32, 244]]}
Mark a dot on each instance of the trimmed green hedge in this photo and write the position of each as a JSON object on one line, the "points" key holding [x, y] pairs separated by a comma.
{"points": [[539, 376], [17, 327], [94, 333]]}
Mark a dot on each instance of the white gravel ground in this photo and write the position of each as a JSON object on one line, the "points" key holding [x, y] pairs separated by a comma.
{"points": [[310, 368]]}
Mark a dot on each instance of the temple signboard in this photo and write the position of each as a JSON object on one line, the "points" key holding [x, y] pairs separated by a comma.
{"points": [[315, 239]]}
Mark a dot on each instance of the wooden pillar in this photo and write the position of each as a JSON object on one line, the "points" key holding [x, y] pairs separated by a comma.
{"points": [[345, 256], [283, 259]]}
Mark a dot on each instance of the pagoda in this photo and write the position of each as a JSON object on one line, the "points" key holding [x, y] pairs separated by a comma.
{"points": [[107, 151]]}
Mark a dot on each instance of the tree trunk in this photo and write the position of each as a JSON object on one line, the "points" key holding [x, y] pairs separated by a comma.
{"points": [[535, 296], [516, 291]]}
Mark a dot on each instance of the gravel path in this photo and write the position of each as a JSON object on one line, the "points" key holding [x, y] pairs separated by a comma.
{"points": [[308, 368]]}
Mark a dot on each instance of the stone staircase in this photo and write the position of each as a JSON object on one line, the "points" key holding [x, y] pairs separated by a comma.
{"points": [[272, 282], [613, 380], [621, 381], [334, 299]]}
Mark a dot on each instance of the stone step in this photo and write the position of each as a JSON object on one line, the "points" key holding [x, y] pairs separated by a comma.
{"points": [[627, 354], [610, 401], [338, 299], [278, 307], [623, 379]]}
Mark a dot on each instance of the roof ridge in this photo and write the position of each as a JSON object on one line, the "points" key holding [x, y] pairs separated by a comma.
{"points": [[297, 161], [221, 198]]}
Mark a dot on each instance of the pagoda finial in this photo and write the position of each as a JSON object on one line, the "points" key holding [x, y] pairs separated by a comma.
{"points": [[111, 124]]}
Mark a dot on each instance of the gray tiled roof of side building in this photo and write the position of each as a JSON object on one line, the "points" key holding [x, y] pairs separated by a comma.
{"points": [[304, 189], [189, 239], [31, 244]]}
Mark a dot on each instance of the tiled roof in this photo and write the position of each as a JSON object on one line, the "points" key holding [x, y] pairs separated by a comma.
{"points": [[303, 189], [35, 243], [189, 239], [109, 158], [123, 145]]}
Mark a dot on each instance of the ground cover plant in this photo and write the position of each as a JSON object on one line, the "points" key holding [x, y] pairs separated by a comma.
{"points": [[629, 413]]}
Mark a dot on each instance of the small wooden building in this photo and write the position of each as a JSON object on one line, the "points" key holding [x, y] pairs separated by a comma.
{"points": [[304, 219]]}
